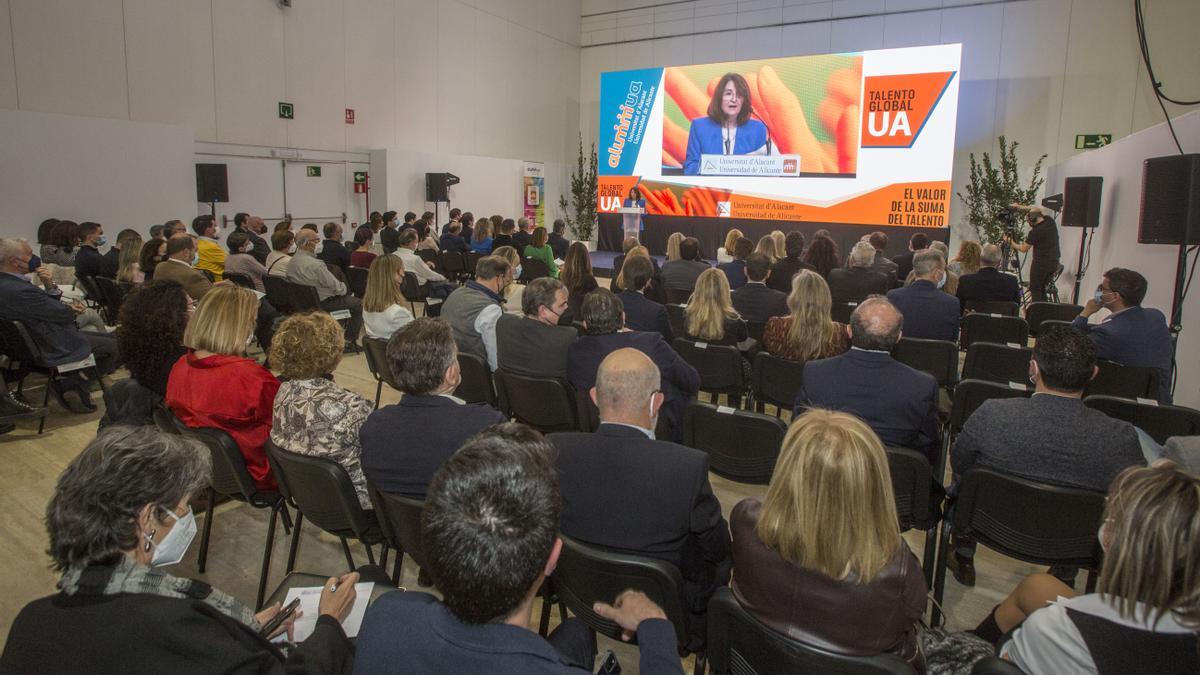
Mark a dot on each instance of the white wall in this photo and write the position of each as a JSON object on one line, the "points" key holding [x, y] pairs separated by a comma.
{"points": [[1037, 71], [1115, 243]]}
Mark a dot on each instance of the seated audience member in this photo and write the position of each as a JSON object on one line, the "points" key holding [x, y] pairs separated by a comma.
{"points": [[389, 240], [538, 249], [513, 292], [253, 227], [283, 245], [654, 289], [464, 221], [968, 260], [988, 283], [858, 282], [735, 270], [153, 252], [51, 325], [504, 236], [174, 227], [118, 516], [557, 241], [725, 252], [642, 313], [61, 244], [1131, 335], [241, 260], [790, 264], [904, 261], [755, 301], [499, 494], [306, 269], [681, 274], [473, 310], [434, 283], [523, 236], [451, 239], [578, 278], [898, 402], [150, 332], [928, 313], [603, 321], [313, 415], [623, 490], [535, 344], [1143, 616], [129, 269], [215, 385], [88, 260], [404, 444], [628, 244], [385, 310], [333, 251], [807, 333], [710, 314], [881, 263], [780, 244], [820, 559], [822, 255], [364, 243], [481, 240], [951, 285], [209, 254], [766, 247], [1050, 437]]}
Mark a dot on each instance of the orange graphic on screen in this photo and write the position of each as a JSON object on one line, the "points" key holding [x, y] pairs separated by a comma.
{"points": [[897, 107]]}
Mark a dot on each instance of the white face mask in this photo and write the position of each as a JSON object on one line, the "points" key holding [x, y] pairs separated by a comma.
{"points": [[195, 258], [942, 282], [171, 549], [292, 248], [517, 273], [247, 248]]}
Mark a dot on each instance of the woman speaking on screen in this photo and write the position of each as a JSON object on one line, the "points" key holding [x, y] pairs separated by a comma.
{"points": [[727, 128]]}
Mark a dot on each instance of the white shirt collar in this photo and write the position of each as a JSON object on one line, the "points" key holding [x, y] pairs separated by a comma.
{"points": [[181, 262], [454, 398], [649, 433], [872, 351]]}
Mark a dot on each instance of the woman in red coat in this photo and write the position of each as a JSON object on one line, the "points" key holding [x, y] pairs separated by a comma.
{"points": [[215, 385]]}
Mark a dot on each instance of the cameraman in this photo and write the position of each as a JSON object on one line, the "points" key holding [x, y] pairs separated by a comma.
{"points": [[1043, 239]]}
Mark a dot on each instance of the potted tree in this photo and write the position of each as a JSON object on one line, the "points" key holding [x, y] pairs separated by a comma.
{"points": [[993, 189], [580, 214]]}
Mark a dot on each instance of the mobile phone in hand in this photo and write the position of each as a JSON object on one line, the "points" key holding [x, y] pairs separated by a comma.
{"points": [[281, 616]]}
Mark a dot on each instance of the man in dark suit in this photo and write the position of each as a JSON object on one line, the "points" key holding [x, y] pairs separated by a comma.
{"points": [[333, 251], [505, 237], [928, 312], [735, 270], [882, 264], [535, 344], [681, 274], [456, 215], [898, 402], [603, 321], [754, 301], [254, 227], [857, 282], [989, 283], [904, 262], [1132, 335], [500, 494], [625, 491], [404, 444], [558, 243], [790, 265], [88, 260], [523, 237], [451, 239], [642, 313]]}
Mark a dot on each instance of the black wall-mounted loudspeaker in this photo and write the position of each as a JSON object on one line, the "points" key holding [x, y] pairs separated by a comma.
{"points": [[1170, 212], [1082, 201], [212, 183], [437, 186]]}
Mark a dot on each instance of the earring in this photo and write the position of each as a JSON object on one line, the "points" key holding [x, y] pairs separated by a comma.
{"points": [[149, 540]]}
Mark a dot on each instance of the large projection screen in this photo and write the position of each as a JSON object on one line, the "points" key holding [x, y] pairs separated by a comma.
{"points": [[858, 138]]}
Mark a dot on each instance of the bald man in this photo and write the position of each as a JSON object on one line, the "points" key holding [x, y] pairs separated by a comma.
{"points": [[625, 491], [898, 402]]}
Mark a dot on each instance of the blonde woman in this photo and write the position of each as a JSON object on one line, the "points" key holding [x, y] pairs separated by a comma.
{"points": [[215, 385], [129, 268], [820, 559], [725, 253], [807, 332], [710, 314], [766, 246], [780, 244], [967, 260], [313, 415], [673, 243], [384, 306], [1146, 609], [513, 292]]}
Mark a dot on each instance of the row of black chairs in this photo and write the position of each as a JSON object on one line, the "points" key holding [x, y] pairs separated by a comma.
{"points": [[25, 357]]}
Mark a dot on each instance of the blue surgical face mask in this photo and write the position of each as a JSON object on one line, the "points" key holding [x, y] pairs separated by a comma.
{"points": [[34, 263], [101, 240], [173, 546], [942, 282], [195, 258]]}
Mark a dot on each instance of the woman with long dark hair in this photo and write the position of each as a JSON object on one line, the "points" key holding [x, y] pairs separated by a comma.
{"points": [[727, 129]]}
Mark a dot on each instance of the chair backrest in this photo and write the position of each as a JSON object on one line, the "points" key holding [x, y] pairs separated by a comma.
{"points": [[377, 362], [411, 288], [356, 279], [970, 394], [994, 665], [677, 318], [678, 296], [470, 260], [229, 474], [997, 363], [452, 263], [1031, 521], [587, 574], [476, 384], [841, 311], [720, 366], [277, 293], [939, 358], [1114, 379], [167, 422], [544, 403], [90, 290], [303, 297], [739, 645], [400, 521], [1038, 312], [112, 294], [1160, 421], [754, 329], [1003, 307], [912, 483], [429, 255], [18, 344], [321, 489], [776, 381], [741, 445], [533, 268], [1047, 324], [239, 279], [979, 327]]}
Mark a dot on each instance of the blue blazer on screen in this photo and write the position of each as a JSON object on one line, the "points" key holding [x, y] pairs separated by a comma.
{"points": [[706, 138], [1136, 336]]}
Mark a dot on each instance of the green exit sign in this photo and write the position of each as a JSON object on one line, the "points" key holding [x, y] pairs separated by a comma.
{"points": [[314, 172], [1090, 141], [286, 110], [360, 176]]}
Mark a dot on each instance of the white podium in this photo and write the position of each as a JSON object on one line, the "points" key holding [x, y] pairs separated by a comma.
{"points": [[632, 221]]}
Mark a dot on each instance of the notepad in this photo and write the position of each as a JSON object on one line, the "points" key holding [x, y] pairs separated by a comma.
{"points": [[310, 600]]}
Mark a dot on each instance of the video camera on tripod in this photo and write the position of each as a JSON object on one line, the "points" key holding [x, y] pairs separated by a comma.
{"points": [[1008, 222]]}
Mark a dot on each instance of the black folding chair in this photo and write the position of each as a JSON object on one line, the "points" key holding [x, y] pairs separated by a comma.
{"points": [[94, 298], [428, 255], [25, 357], [470, 260], [968, 396], [939, 358], [741, 445], [1037, 312], [377, 362], [1001, 307], [677, 318], [1023, 519], [720, 367], [356, 280], [400, 519], [1114, 379], [678, 296], [918, 502], [452, 265], [979, 327], [841, 311], [587, 574], [739, 645], [239, 279], [775, 381], [1159, 420], [303, 298], [278, 293], [544, 403], [533, 268], [413, 291], [167, 422], [1047, 324], [476, 385], [997, 363], [113, 296]]}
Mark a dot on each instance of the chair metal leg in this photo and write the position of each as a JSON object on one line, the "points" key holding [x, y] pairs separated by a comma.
{"points": [[396, 567], [383, 555], [208, 521], [370, 553], [378, 393], [701, 664], [1090, 586], [939, 577], [930, 558], [46, 403], [266, 562], [349, 558], [295, 547]]}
